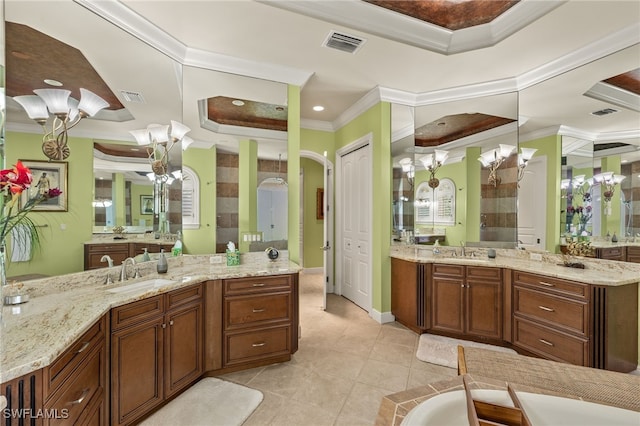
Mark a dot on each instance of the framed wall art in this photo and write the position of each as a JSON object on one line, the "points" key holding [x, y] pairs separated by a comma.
{"points": [[47, 175]]}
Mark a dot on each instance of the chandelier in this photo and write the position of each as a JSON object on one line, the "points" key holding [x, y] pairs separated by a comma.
{"points": [[493, 159], [432, 163], [66, 112], [523, 159], [409, 169], [160, 139]]}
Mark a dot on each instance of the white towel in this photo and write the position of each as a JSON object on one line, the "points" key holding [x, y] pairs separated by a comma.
{"points": [[20, 243]]}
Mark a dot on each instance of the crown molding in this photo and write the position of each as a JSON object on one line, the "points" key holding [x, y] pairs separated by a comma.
{"points": [[323, 126], [129, 21], [614, 95]]}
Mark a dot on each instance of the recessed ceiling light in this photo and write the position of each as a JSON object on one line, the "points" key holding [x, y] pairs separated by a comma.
{"points": [[318, 108], [51, 82], [237, 102]]}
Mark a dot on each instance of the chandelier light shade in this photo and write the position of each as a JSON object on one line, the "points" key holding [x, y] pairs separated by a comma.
{"points": [[66, 111], [160, 139], [432, 163], [525, 155], [409, 169], [493, 159]]}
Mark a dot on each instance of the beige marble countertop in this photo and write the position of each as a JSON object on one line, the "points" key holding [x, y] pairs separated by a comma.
{"points": [[596, 272], [61, 309]]}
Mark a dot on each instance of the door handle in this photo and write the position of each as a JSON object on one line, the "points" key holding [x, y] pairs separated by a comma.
{"points": [[326, 248]]}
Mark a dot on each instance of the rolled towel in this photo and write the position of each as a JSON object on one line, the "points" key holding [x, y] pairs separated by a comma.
{"points": [[20, 243]]}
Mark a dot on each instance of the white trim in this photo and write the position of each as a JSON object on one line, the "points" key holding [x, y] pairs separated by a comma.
{"points": [[382, 317], [316, 271], [189, 174]]}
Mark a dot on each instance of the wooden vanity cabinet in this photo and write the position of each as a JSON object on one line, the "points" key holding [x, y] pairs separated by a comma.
{"points": [[633, 254], [156, 351], [94, 252], [75, 385], [612, 253], [260, 320], [408, 294], [551, 318], [466, 300], [24, 397]]}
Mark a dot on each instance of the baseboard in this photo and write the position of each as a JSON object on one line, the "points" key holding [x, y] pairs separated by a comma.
{"points": [[382, 317], [317, 270]]}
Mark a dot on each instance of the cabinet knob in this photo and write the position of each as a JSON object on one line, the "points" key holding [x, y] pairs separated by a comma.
{"points": [[544, 308], [255, 311], [82, 397], [258, 284], [171, 322], [84, 346], [257, 345], [546, 342], [164, 325]]}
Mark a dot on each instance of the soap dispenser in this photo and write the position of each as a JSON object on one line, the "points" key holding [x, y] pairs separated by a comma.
{"points": [[162, 266], [145, 256]]}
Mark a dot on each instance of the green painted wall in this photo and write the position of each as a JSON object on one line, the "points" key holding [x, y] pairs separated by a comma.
{"points": [[136, 216], [61, 250], [293, 172], [203, 163], [312, 227], [377, 121], [551, 147], [611, 223]]}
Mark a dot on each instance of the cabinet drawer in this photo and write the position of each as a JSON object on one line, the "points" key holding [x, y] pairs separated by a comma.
{"points": [[448, 270], [252, 310], [106, 248], [75, 395], [633, 254], [611, 253], [549, 343], [65, 364], [552, 284], [183, 296], [484, 273], [134, 312], [572, 315], [256, 284], [254, 345]]}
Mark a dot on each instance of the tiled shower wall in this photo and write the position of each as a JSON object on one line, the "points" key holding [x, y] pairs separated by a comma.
{"points": [[226, 200], [498, 218]]}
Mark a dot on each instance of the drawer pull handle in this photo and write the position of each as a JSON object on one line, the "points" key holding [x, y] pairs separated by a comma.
{"points": [[171, 322], [546, 342], [258, 345], [82, 397], [164, 325], [85, 346], [258, 284], [547, 284], [255, 311], [544, 308]]}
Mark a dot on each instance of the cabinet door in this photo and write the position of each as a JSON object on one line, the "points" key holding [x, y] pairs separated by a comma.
{"points": [[183, 347], [484, 308], [633, 254], [447, 304], [136, 370]]}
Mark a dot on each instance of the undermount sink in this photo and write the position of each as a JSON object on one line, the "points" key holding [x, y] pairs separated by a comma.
{"points": [[450, 408], [141, 285]]}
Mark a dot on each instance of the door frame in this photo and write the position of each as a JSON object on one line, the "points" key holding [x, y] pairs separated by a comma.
{"points": [[347, 149], [329, 218]]}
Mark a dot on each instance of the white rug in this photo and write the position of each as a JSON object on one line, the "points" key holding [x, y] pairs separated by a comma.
{"points": [[210, 401], [444, 350]]}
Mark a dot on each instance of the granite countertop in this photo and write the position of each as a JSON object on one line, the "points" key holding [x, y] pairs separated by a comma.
{"points": [[596, 272], [62, 308]]}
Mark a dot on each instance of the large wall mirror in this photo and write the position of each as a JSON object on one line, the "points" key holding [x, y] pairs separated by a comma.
{"points": [[583, 123], [246, 120], [142, 86], [476, 202]]}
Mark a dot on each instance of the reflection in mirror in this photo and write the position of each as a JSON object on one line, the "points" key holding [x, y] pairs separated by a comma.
{"points": [[578, 210], [402, 152], [246, 120], [458, 135]]}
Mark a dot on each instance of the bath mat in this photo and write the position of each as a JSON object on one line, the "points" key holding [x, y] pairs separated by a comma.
{"points": [[444, 350], [211, 401]]}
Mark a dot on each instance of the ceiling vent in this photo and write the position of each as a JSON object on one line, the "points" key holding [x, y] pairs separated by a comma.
{"points": [[343, 42], [605, 111], [132, 96]]}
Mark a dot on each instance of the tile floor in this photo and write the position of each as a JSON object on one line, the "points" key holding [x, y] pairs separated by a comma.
{"points": [[345, 364]]}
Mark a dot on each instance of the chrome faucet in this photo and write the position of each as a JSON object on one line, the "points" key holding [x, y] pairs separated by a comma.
{"points": [[123, 273], [462, 252]]}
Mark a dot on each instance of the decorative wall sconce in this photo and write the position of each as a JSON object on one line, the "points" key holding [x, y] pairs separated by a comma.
{"points": [[432, 163], [409, 169], [608, 180], [66, 112], [493, 159], [160, 140], [579, 186], [523, 159]]}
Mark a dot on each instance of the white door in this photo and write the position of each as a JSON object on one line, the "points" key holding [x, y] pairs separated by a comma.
{"points": [[532, 203], [326, 248], [355, 209]]}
